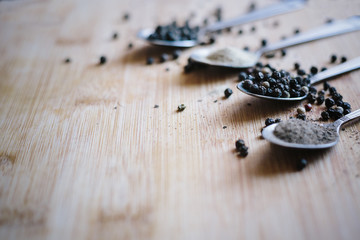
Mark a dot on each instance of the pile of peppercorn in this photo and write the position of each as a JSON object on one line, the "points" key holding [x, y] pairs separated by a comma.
{"points": [[336, 107], [265, 80], [173, 32]]}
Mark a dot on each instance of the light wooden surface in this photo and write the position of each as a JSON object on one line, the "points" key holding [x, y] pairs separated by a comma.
{"points": [[84, 155]]}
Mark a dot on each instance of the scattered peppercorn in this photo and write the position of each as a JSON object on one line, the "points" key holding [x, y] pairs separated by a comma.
{"points": [[246, 48], [296, 66], [149, 60], [181, 107], [241, 147], [224, 127], [115, 35], [102, 60], [308, 107], [156, 106], [301, 164], [323, 69], [130, 46], [332, 90], [126, 16], [173, 32], [301, 72], [269, 121], [263, 42], [239, 143], [311, 98], [253, 29], [313, 70], [283, 52], [277, 120], [333, 58], [240, 31], [301, 116], [176, 54], [270, 55], [228, 92], [212, 40], [346, 105], [242, 76], [164, 57], [67, 60], [343, 59], [297, 31], [329, 20]]}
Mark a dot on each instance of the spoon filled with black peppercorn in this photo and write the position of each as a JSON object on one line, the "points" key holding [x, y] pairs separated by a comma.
{"points": [[296, 133], [236, 58], [282, 86], [174, 36]]}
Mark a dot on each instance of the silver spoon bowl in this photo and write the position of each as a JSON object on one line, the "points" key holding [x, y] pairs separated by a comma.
{"points": [[332, 72], [268, 133], [272, 10], [330, 29]]}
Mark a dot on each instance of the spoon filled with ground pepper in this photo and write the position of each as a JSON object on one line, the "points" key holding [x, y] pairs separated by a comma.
{"points": [[237, 58], [282, 86], [185, 36], [296, 133]]}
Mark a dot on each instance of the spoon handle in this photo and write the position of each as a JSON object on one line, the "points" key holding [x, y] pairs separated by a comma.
{"points": [[348, 117], [337, 70], [272, 10], [330, 29]]}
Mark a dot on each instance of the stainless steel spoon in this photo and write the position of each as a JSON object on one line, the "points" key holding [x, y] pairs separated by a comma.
{"points": [[330, 29], [332, 72], [268, 133], [272, 10]]}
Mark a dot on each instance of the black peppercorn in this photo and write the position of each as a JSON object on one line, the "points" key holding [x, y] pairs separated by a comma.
{"points": [[242, 76], [333, 58], [313, 70], [277, 120], [102, 60], [312, 90], [263, 42], [269, 121], [181, 107], [246, 48], [239, 143], [297, 31], [346, 105], [296, 66], [329, 102], [301, 72], [67, 60], [301, 116], [325, 115], [283, 52], [311, 98], [301, 164], [332, 90], [323, 69], [176, 54], [130, 46], [149, 60], [343, 59], [337, 96], [253, 29], [164, 57], [347, 111], [126, 16], [240, 32], [326, 86], [228, 92], [115, 35]]}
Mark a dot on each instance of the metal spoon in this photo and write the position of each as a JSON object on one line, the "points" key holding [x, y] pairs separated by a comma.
{"points": [[331, 29], [268, 133], [275, 9], [332, 72]]}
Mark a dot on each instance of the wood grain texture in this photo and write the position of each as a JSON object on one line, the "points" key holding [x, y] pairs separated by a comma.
{"points": [[85, 155]]}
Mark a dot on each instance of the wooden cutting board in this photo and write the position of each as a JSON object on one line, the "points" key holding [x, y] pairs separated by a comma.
{"points": [[85, 155]]}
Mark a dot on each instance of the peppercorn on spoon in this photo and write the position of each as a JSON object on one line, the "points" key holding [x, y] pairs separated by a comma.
{"points": [[268, 133], [328, 30], [348, 66], [272, 10]]}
